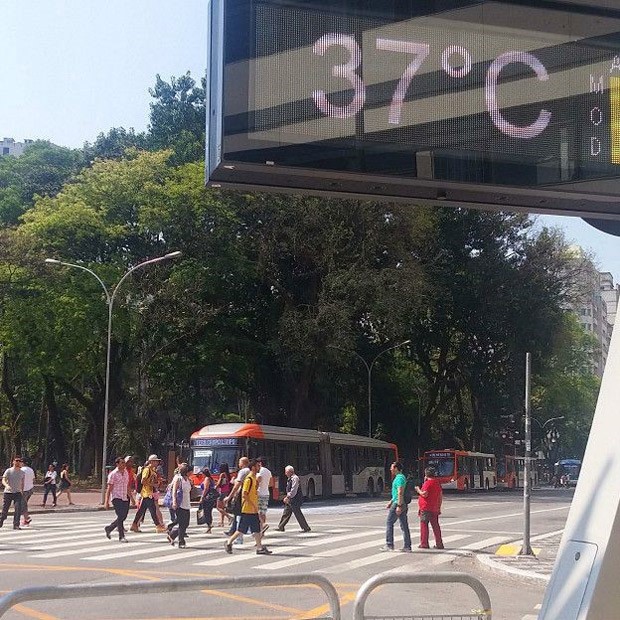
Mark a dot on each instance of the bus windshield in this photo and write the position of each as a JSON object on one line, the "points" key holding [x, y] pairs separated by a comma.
{"points": [[214, 457], [443, 466]]}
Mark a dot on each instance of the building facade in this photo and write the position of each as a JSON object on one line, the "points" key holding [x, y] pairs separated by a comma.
{"points": [[9, 146]]}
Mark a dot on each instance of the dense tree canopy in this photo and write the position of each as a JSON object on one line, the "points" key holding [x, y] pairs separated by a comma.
{"points": [[272, 308]]}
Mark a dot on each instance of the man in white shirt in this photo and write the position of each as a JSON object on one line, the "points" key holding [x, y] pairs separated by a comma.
{"points": [[264, 480], [13, 481], [28, 490]]}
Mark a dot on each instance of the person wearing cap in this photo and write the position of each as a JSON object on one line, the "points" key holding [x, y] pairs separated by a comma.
{"points": [[149, 480]]}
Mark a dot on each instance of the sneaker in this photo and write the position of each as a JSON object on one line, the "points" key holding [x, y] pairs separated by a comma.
{"points": [[123, 540], [279, 529], [405, 550], [305, 530], [264, 528], [238, 541], [182, 545], [228, 548], [386, 548], [107, 533], [263, 551]]}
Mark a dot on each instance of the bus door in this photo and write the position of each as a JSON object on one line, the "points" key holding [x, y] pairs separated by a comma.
{"points": [[480, 465]]}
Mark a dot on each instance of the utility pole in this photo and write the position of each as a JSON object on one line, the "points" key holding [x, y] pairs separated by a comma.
{"points": [[526, 549]]}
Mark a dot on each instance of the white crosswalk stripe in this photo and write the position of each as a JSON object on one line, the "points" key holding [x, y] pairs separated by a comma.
{"points": [[351, 548]]}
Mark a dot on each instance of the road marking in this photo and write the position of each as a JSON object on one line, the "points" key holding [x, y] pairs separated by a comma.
{"points": [[507, 516], [239, 557], [61, 554], [144, 548], [181, 555]]}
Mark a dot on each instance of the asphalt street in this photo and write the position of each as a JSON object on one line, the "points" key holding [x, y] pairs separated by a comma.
{"points": [[344, 546]]}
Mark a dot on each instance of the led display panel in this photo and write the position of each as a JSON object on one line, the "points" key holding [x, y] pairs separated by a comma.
{"points": [[501, 104]]}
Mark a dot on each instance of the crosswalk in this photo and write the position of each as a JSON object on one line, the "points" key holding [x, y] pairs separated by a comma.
{"points": [[326, 549]]}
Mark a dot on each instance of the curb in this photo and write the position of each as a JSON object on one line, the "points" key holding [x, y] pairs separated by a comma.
{"points": [[519, 572], [45, 511]]}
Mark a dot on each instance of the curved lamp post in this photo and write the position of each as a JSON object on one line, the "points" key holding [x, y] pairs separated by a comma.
{"points": [[369, 367], [110, 303]]}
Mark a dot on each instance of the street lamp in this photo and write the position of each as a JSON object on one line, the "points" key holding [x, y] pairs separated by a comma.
{"points": [[369, 368], [110, 303]]}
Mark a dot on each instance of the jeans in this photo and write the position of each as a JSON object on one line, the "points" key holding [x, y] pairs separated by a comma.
{"points": [[47, 487], [207, 506], [147, 502], [182, 519], [16, 498], [121, 508], [404, 526], [25, 497]]}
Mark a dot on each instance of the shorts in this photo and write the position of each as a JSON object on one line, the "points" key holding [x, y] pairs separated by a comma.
{"points": [[249, 523], [263, 504]]}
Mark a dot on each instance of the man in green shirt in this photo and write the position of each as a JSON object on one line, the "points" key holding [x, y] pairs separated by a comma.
{"points": [[397, 510]]}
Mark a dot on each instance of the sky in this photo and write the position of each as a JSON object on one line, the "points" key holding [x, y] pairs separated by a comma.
{"points": [[71, 69]]}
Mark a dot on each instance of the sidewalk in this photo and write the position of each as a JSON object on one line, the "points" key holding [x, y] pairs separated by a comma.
{"points": [[84, 501], [538, 567]]}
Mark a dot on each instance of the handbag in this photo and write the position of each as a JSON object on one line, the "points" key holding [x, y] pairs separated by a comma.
{"points": [[201, 518]]}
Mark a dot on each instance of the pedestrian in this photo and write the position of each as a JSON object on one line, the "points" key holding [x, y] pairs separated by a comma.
{"points": [[232, 503], [129, 466], [223, 486], [429, 508], [118, 490], [208, 498], [49, 484], [13, 481], [181, 489], [65, 483], [397, 510], [249, 521], [173, 516], [292, 501], [149, 479], [264, 480], [29, 478]]}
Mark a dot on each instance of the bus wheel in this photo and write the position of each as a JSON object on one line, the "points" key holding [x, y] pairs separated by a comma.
{"points": [[370, 488], [310, 496], [380, 487]]}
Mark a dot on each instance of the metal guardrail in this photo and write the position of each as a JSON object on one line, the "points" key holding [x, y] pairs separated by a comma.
{"points": [[484, 613], [46, 593]]}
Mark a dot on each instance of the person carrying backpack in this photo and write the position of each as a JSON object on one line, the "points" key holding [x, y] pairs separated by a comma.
{"points": [[397, 510], [429, 504]]}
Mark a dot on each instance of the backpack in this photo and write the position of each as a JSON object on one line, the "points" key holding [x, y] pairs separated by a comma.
{"points": [[139, 481], [409, 489]]}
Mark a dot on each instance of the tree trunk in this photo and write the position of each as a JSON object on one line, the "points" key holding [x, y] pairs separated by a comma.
{"points": [[57, 436], [15, 439]]}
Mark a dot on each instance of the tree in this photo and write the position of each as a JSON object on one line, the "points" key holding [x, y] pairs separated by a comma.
{"points": [[41, 170]]}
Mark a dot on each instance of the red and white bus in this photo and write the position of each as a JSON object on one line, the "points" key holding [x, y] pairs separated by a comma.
{"points": [[511, 472], [326, 463], [463, 470]]}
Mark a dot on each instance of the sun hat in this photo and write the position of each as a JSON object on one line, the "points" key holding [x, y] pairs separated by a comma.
{"points": [[154, 457]]}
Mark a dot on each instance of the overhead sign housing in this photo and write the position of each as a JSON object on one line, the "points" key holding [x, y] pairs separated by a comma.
{"points": [[484, 104]]}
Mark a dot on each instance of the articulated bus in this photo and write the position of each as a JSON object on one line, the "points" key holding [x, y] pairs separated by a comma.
{"points": [[326, 463], [511, 472], [463, 470]]}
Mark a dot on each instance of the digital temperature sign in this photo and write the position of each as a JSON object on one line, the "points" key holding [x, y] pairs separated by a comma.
{"points": [[482, 104]]}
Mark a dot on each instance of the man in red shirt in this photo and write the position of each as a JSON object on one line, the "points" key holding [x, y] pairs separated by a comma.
{"points": [[429, 504]]}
